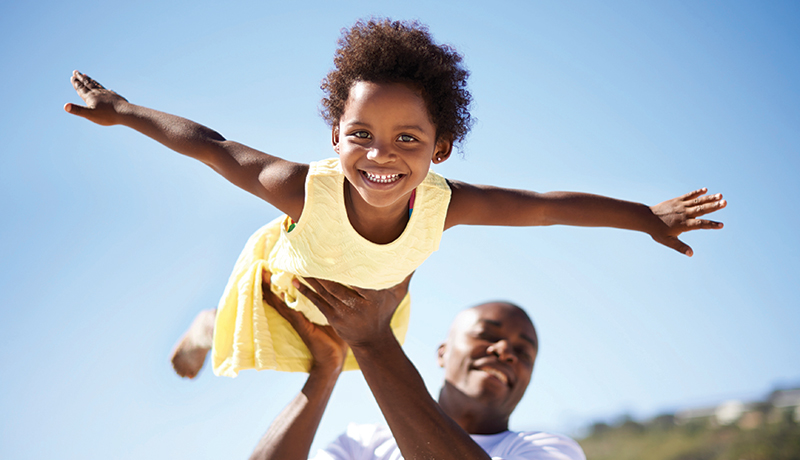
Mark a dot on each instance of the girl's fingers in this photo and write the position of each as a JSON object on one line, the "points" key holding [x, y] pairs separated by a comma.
{"points": [[679, 246], [77, 84], [83, 82], [706, 208], [92, 83], [703, 224], [707, 199], [694, 194]]}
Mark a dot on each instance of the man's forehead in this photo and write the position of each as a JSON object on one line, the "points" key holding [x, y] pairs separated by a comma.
{"points": [[495, 314]]}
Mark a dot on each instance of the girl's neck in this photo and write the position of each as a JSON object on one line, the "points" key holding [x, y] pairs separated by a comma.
{"points": [[378, 225]]}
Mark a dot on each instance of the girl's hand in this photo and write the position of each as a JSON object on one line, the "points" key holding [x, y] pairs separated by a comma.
{"points": [[326, 347], [680, 215], [102, 105], [360, 316]]}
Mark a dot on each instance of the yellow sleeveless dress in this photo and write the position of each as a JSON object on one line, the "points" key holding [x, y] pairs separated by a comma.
{"points": [[249, 334]]}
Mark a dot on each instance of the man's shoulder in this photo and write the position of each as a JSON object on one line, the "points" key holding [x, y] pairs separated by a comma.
{"points": [[360, 441], [368, 433], [375, 441], [539, 444]]}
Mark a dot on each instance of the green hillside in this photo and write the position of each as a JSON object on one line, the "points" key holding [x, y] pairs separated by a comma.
{"points": [[662, 439]]}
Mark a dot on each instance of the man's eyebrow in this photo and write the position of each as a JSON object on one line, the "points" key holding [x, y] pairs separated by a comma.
{"points": [[530, 339], [525, 337]]}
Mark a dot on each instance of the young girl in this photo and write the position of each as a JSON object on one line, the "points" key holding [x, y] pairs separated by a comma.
{"points": [[396, 103]]}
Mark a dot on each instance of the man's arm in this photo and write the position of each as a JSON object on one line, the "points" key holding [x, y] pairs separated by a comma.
{"points": [[361, 317], [664, 222], [292, 432], [277, 181]]}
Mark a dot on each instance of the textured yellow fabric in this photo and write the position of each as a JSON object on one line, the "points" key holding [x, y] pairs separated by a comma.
{"points": [[249, 334]]}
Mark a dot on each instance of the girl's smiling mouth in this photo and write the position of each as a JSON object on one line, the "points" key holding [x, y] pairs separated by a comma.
{"points": [[381, 178]]}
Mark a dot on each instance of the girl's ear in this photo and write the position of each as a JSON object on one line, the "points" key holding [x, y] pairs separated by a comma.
{"points": [[444, 147], [440, 355], [335, 139]]}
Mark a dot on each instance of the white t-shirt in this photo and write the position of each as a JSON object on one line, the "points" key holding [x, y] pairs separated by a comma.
{"points": [[375, 442]]}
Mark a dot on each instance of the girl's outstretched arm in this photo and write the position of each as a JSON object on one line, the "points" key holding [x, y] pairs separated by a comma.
{"points": [[485, 205], [277, 181]]}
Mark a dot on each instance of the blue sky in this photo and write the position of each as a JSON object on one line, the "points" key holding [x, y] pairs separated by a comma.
{"points": [[110, 243]]}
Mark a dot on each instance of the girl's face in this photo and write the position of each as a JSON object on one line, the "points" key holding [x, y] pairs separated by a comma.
{"points": [[386, 142]]}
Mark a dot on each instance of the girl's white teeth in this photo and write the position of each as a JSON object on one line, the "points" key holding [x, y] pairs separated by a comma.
{"points": [[381, 179]]}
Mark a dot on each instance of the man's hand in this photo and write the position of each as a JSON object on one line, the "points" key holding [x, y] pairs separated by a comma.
{"points": [[101, 104], [681, 215], [326, 347], [359, 316]]}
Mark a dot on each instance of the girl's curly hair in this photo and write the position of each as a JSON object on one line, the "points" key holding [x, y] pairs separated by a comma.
{"points": [[385, 51]]}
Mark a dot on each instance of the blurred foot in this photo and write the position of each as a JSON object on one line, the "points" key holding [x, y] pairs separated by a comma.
{"points": [[190, 352]]}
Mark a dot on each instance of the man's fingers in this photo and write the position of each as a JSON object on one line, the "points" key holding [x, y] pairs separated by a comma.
{"points": [[270, 296], [401, 287], [297, 320], [315, 298], [336, 290], [289, 314]]}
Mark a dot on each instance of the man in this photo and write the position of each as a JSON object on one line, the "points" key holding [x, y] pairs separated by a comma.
{"points": [[488, 361]]}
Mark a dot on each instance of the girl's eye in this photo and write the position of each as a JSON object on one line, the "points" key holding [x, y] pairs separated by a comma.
{"points": [[361, 134], [406, 138]]}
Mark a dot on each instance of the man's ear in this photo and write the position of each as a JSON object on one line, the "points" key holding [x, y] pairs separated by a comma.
{"points": [[440, 354], [444, 147], [335, 139]]}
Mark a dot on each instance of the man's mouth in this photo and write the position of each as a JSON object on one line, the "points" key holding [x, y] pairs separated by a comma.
{"points": [[495, 373], [381, 178]]}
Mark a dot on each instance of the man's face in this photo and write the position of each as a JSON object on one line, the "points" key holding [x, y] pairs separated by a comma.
{"points": [[489, 355]]}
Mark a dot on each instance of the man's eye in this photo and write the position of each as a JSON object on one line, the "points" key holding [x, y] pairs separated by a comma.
{"points": [[406, 138], [525, 354]]}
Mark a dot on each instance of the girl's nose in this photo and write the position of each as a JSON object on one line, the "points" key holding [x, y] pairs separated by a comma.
{"points": [[380, 153]]}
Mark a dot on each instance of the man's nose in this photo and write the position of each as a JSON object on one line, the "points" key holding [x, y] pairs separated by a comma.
{"points": [[503, 350]]}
